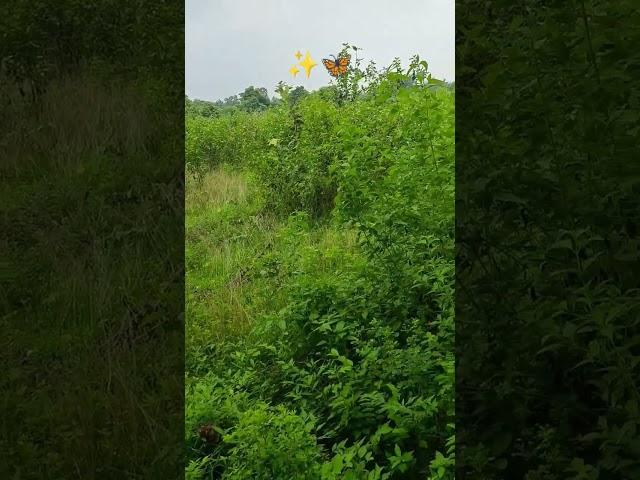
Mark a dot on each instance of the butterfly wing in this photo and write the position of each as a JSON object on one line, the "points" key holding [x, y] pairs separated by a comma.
{"points": [[343, 64], [332, 67], [344, 61]]}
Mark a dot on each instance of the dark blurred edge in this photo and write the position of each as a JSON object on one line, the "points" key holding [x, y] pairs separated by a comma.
{"points": [[91, 239], [548, 253]]}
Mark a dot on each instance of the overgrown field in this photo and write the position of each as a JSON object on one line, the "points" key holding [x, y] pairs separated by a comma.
{"points": [[319, 283], [91, 272]]}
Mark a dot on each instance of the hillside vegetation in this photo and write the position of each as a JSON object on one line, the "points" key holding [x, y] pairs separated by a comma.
{"points": [[319, 282]]}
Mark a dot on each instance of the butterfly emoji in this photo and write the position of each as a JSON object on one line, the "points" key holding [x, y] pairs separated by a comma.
{"points": [[337, 66]]}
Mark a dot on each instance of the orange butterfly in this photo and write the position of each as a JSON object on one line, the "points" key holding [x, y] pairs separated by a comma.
{"points": [[337, 66]]}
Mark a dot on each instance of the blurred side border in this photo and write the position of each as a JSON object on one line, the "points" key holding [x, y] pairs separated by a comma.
{"points": [[548, 252], [91, 239]]}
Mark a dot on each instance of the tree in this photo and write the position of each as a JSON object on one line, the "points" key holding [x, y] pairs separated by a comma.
{"points": [[329, 93], [297, 94], [200, 108], [254, 99], [231, 101]]}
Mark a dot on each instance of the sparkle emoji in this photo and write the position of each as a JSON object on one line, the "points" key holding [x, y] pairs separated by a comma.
{"points": [[308, 64], [294, 71], [298, 55]]}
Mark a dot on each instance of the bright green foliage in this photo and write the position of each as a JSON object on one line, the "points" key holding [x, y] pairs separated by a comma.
{"points": [[200, 108], [302, 185], [346, 370], [229, 138], [271, 443]]}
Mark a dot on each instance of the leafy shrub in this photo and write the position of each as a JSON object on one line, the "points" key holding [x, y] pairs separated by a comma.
{"points": [[200, 108], [295, 167], [272, 443], [355, 366]]}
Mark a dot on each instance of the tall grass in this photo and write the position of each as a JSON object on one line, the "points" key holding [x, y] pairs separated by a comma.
{"points": [[77, 115], [88, 279]]}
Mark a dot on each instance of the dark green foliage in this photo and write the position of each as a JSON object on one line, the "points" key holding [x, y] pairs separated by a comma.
{"points": [[42, 38], [350, 373], [91, 239], [297, 94], [254, 99], [547, 267]]}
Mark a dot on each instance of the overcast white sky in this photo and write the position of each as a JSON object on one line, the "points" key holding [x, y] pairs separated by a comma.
{"points": [[231, 44]]}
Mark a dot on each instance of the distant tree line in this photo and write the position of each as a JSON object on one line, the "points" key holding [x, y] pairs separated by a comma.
{"points": [[255, 99], [252, 99]]}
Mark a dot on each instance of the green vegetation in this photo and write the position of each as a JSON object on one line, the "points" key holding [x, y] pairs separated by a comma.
{"points": [[91, 291], [251, 100], [548, 250], [319, 283]]}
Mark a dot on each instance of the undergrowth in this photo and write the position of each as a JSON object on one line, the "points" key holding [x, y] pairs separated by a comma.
{"points": [[319, 254]]}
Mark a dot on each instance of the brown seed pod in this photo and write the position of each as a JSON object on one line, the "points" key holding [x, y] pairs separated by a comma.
{"points": [[209, 434]]}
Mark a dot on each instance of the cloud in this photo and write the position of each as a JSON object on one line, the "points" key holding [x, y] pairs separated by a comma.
{"points": [[231, 44]]}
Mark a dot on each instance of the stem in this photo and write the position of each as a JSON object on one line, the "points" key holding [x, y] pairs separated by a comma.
{"points": [[592, 54]]}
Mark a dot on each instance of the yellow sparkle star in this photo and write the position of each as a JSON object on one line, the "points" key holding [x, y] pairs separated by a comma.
{"points": [[308, 64], [294, 70], [298, 55]]}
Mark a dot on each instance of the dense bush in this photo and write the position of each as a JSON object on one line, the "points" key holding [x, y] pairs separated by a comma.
{"points": [[549, 256], [349, 374], [91, 231], [234, 138], [201, 108], [295, 166]]}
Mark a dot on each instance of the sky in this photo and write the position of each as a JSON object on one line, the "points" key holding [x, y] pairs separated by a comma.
{"points": [[232, 44]]}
